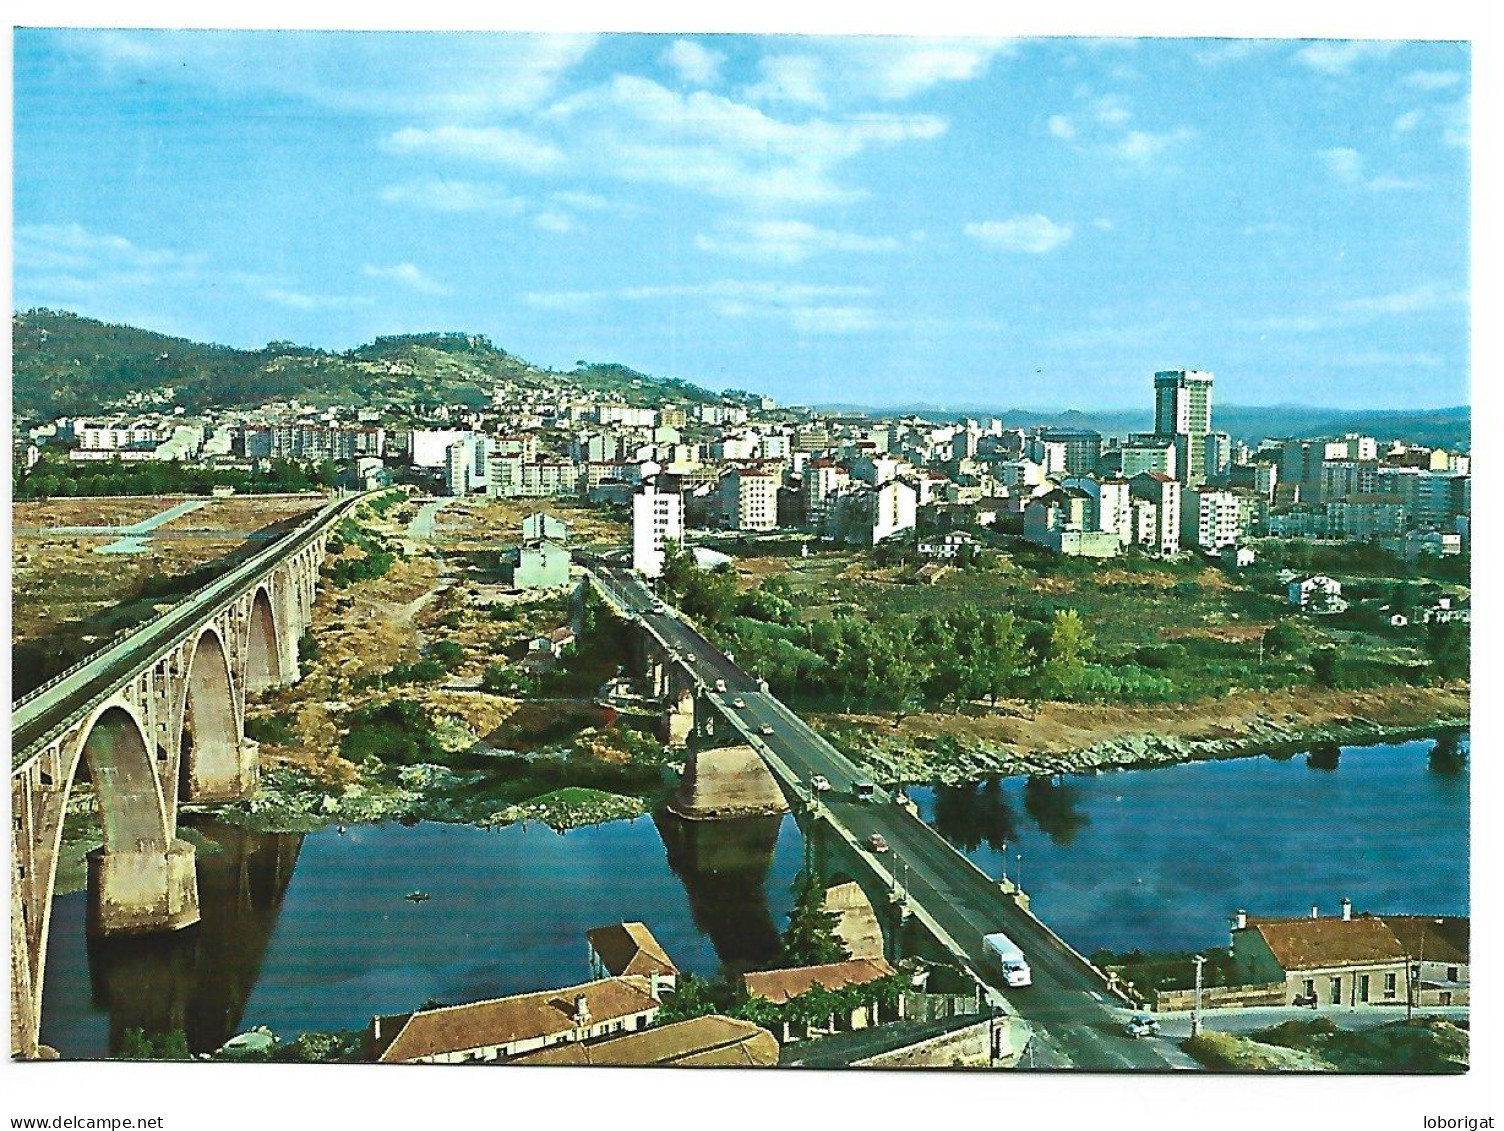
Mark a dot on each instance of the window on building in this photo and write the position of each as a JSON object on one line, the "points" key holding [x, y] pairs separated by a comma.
{"points": [[1336, 994], [1390, 982], [1363, 987], [1452, 974]]}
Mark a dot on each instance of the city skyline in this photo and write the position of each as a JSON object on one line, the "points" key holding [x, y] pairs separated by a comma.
{"points": [[858, 220]]}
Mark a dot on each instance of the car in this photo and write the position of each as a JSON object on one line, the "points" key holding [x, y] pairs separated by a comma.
{"points": [[720, 685], [765, 729], [819, 783], [877, 843], [658, 606], [1304, 1000], [1141, 1025], [738, 702], [689, 657]]}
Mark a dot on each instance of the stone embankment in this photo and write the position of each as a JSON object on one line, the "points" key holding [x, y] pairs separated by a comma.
{"points": [[929, 750]]}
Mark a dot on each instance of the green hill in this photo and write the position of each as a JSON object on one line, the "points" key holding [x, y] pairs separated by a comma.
{"points": [[66, 364]]}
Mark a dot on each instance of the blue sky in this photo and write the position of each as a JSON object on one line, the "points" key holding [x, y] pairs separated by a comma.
{"points": [[875, 220]]}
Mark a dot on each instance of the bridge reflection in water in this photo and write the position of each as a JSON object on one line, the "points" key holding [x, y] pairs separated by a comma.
{"points": [[724, 867], [197, 980]]}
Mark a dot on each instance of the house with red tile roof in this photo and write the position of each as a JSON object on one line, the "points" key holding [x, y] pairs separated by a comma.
{"points": [[1351, 961]]}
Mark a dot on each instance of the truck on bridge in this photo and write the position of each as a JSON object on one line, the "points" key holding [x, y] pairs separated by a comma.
{"points": [[1009, 958]]}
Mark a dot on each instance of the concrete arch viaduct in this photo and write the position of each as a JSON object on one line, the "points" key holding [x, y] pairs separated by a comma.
{"points": [[154, 721]]}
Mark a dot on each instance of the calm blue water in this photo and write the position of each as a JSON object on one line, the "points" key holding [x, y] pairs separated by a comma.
{"points": [[1160, 858], [312, 932]]}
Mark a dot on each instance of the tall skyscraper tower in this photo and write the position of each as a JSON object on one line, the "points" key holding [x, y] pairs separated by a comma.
{"points": [[1183, 409]]}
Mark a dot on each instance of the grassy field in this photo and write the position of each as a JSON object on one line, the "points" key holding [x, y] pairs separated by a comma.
{"points": [[1425, 1045]]}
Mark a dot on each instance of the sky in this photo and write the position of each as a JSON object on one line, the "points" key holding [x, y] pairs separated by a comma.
{"points": [[872, 220]]}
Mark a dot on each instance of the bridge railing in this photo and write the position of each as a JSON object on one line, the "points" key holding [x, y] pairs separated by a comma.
{"points": [[241, 575]]}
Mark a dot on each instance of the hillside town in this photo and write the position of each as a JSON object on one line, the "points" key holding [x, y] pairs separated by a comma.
{"points": [[944, 486]]}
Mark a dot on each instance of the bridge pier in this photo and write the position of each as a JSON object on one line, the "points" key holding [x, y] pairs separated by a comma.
{"points": [[142, 891], [679, 720], [214, 783]]}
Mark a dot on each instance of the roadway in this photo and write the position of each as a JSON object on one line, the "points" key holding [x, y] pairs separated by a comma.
{"points": [[34, 719], [1076, 1022]]}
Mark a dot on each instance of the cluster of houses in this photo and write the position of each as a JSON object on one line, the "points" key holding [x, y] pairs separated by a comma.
{"points": [[612, 1019]]}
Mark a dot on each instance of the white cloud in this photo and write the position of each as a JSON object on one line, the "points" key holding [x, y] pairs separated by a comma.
{"points": [[441, 195], [1110, 111], [498, 144], [834, 319], [638, 130], [1233, 50], [793, 79], [809, 308], [902, 68], [72, 247], [300, 300], [1145, 145], [1337, 57], [1060, 126], [1034, 234], [694, 63], [1408, 121], [584, 201], [1426, 296], [785, 241], [1347, 166], [1457, 130], [369, 73], [1431, 80], [408, 275], [553, 222]]}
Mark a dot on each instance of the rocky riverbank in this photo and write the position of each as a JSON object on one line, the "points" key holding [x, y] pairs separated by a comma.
{"points": [[291, 801], [965, 748]]}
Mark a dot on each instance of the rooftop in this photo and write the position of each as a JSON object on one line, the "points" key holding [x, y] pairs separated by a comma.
{"points": [[501, 1021], [779, 986], [630, 948], [712, 1041]]}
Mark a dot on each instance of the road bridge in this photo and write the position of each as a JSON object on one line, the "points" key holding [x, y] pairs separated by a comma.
{"points": [[1076, 1016], [155, 720]]}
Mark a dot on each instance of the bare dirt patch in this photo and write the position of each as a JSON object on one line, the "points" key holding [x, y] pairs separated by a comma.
{"points": [[244, 513]]}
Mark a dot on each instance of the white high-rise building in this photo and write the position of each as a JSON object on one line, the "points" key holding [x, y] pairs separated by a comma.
{"points": [[1183, 409], [657, 522]]}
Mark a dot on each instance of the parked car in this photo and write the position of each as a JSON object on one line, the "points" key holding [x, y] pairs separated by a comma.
{"points": [[765, 729], [877, 843], [720, 685], [738, 702], [819, 783], [1304, 999], [1142, 1025]]}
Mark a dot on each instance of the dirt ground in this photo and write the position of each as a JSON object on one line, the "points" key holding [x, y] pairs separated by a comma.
{"points": [[245, 512], [57, 582], [1058, 727], [27, 515]]}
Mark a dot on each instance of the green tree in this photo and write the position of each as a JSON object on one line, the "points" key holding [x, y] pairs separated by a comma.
{"points": [[1282, 638], [1064, 667], [1326, 667], [810, 938]]}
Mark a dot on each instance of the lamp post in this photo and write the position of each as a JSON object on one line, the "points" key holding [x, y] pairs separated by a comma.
{"points": [[1005, 863], [1411, 989], [1018, 872], [1196, 1005]]}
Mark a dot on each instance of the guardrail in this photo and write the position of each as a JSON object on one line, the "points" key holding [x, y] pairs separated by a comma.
{"points": [[217, 593]]}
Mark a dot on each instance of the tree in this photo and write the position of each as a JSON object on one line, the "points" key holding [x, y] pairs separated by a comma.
{"points": [[810, 939], [1325, 664], [1282, 638], [1065, 663], [1448, 645]]}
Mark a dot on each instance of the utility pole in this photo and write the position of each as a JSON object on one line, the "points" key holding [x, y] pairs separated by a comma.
{"points": [[1196, 1007]]}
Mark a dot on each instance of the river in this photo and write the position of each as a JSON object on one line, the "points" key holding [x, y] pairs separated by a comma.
{"points": [[312, 931]]}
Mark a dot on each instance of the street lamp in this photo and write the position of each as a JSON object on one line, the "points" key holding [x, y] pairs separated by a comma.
{"points": [[1018, 872], [1005, 863], [1196, 1005], [1411, 988]]}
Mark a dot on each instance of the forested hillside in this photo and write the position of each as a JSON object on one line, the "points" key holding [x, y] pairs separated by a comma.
{"points": [[66, 364]]}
